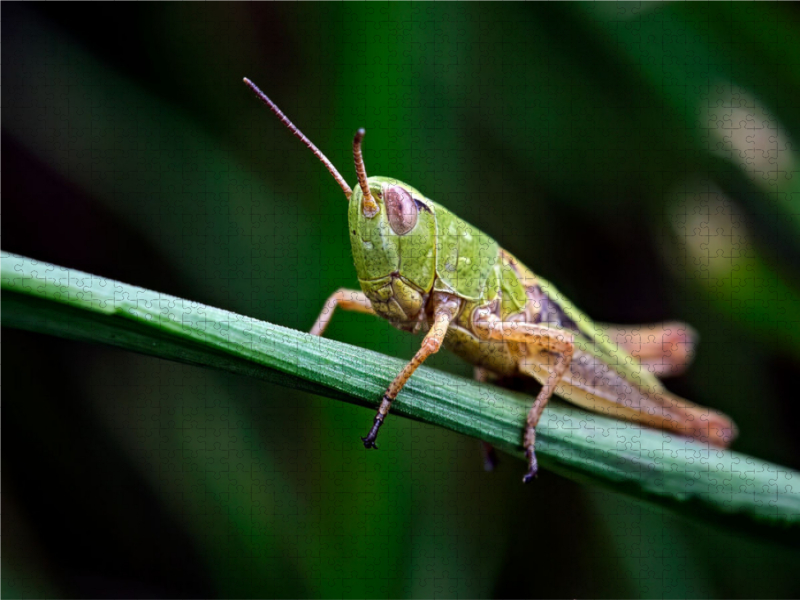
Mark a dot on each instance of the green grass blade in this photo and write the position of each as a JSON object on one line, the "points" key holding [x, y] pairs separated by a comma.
{"points": [[735, 490]]}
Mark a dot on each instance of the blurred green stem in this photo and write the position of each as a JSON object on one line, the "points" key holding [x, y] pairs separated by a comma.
{"points": [[735, 490]]}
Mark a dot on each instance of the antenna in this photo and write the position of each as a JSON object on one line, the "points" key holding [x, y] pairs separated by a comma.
{"points": [[368, 204], [299, 134]]}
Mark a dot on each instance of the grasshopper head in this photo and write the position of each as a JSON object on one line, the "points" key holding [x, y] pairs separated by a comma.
{"points": [[393, 239]]}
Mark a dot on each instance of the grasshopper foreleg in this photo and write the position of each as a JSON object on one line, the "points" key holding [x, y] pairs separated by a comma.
{"points": [[555, 341], [351, 300], [445, 309]]}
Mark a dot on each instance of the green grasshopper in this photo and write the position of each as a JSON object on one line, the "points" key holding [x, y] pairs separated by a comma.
{"points": [[422, 268]]}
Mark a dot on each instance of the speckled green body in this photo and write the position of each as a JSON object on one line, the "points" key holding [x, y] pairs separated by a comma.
{"points": [[443, 253]]}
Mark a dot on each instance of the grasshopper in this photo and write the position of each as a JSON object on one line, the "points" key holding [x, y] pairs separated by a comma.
{"points": [[422, 268]]}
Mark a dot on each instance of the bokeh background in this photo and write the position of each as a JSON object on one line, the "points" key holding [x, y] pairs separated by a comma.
{"points": [[640, 156]]}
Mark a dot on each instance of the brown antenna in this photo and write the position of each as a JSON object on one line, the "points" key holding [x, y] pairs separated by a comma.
{"points": [[299, 134], [368, 204]]}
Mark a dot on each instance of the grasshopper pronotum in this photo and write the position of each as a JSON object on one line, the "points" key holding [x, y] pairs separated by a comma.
{"points": [[465, 292]]}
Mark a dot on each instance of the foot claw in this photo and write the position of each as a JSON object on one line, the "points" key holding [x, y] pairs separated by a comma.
{"points": [[369, 441], [533, 467]]}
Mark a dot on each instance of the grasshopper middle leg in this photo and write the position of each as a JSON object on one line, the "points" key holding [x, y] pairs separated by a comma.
{"points": [[557, 341]]}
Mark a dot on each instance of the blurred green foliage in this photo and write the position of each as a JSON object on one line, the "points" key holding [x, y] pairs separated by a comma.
{"points": [[640, 156]]}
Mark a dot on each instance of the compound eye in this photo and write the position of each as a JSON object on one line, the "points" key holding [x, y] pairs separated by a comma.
{"points": [[401, 209]]}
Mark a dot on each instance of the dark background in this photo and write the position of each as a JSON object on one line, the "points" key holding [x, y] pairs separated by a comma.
{"points": [[639, 156]]}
